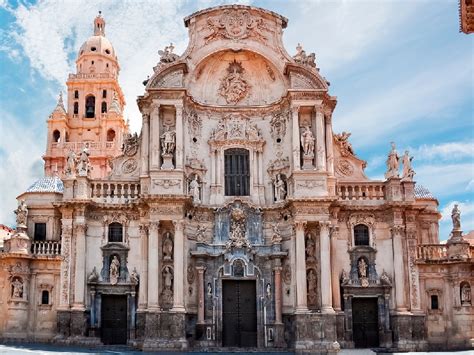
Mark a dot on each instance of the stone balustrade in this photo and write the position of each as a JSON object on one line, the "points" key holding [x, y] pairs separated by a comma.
{"points": [[93, 147], [114, 191], [92, 76], [432, 252], [48, 247], [361, 191]]}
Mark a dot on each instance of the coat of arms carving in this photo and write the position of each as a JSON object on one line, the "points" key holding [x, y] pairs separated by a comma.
{"points": [[233, 86]]}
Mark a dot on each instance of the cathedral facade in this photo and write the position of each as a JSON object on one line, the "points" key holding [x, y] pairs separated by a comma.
{"points": [[236, 218]]}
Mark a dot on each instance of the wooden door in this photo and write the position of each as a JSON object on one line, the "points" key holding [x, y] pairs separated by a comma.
{"points": [[365, 322], [114, 319]]}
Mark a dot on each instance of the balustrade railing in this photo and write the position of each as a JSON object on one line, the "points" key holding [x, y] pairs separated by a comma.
{"points": [[78, 146], [92, 76], [432, 252], [361, 191], [114, 192], [47, 247]]}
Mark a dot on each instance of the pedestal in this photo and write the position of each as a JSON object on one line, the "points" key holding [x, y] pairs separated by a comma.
{"points": [[167, 162], [308, 162]]}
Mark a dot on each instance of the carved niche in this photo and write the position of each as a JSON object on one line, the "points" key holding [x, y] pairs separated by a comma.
{"points": [[311, 270], [235, 24]]}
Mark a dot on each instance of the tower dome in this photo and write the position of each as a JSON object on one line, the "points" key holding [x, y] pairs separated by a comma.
{"points": [[97, 53]]}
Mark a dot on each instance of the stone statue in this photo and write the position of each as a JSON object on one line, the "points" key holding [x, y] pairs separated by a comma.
{"points": [[312, 284], [167, 55], [408, 171], [93, 276], [168, 140], [21, 214], [83, 165], [456, 218], [71, 164], [237, 229], [114, 270], [344, 277], [168, 278], [465, 294], [168, 247], [134, 277], [209, 289], [345, 146], [385, 279], [194, 189], [362, 266], [303, 58], [310, 248], [392, 163], [17, 288], [130, 144], [307, 142], [268, 290], [280, 189], [276, 237]]}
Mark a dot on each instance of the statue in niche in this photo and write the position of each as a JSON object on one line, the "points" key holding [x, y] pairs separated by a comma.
{"points": [[114, 270], [268, 290], [312, 284], [276, 237], [17, 288], [253, 132], [209, 289], [168, 141], [71, 164], [456, 217], [134, 277], [310, 248], [465, 294], [392, 163], [93, 276], [362, 267], [307, 141], [280, 188], [344, 277], [194, 189], [21, 214], [168, 247], [408, 172], [167, 293], [83, 165], [167, 55]]}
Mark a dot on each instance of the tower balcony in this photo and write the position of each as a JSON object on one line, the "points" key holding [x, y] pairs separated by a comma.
{"points": [[95, 148]]}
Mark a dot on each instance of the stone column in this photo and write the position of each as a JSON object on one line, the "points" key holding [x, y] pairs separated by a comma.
{"points": [[179, 136], [399, 268], [80, 268], [301, 289], [278, 298], [143, 288], [178, 262], [153, 271], [325, 249], [329, 143], [336, 291], [144, 144], [320, 141], [200, 269], [295, 137], [155, 136]]}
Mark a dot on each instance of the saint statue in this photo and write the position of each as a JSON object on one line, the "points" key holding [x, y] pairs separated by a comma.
{"points": [[268, 290], [21, 214], [280, 189], [465, 294], [83, 165], [307, 142], [392, 163], [362, 266], [168, 247], [168, 141], [456, 217], [209, 289], [71, 163], [310, 248], [408, 171], [194, 189], [134, 278], [93, 276], [17, 288], [114, 270], [168, 278]]}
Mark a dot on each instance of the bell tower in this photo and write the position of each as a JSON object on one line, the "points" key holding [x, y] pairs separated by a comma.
{"points": [[93, 117]]}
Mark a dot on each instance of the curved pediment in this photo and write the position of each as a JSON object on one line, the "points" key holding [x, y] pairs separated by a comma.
{"points": [[302, 78], [168, 77], [242, 78]]}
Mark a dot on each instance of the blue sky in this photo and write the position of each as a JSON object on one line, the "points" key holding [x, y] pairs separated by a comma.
{"points": [[401, 70]]}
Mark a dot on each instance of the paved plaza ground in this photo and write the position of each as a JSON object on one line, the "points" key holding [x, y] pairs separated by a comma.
{"points": [[46, 349]]}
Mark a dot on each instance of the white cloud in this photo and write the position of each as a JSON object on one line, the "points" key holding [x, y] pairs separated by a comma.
{"points": [[446, 151], [445, 179]]}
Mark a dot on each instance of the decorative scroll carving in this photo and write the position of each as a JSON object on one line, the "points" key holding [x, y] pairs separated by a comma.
{"points": [[130, 144], [342, 141], [200, 234], [237, 238], [129, 166], [278, 125], [233, 86], [235, 25]]}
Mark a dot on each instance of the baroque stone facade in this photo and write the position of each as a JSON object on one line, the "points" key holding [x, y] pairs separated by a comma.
{"points": [[236, 218]]}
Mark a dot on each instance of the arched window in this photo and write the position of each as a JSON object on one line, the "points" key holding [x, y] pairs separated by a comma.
{"points": [[76, 94], [361, 234], [76, 108], [434, 302], [104, 94], [110, 135], [104, 107], [56, 136], [90, 106], [115, 232], [45, 297], [237, 172]]}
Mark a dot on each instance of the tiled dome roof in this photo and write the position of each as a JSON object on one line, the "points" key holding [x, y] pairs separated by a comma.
{"points": [[47, 184], [423, 192]]}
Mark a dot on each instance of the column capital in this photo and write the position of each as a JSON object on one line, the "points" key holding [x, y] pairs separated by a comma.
{"points": [[80, 228], [295, 109], [396, 230], [178, 225], [146, 116], [144, 227], [319, 109], [300, 225], [200, 268], [153, 227], [324, 225], [155, 106]]}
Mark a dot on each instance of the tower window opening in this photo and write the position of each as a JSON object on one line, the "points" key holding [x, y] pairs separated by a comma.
{"points": [[90, 106], [93, 49], [110, 135], [115, 232], [104, 94], [76, 94], [104, 107], [40, 232], [107, 51], [56, 136], [92, 62], [76, 108]]}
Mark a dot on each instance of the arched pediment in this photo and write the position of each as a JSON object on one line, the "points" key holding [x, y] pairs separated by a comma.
{"points": [[236, 78], [168, 77], [302, 78]]}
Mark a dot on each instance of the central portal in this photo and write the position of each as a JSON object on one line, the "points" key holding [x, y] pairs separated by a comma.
{"points": [[114, 319], [365, 322], [239, 314]]}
